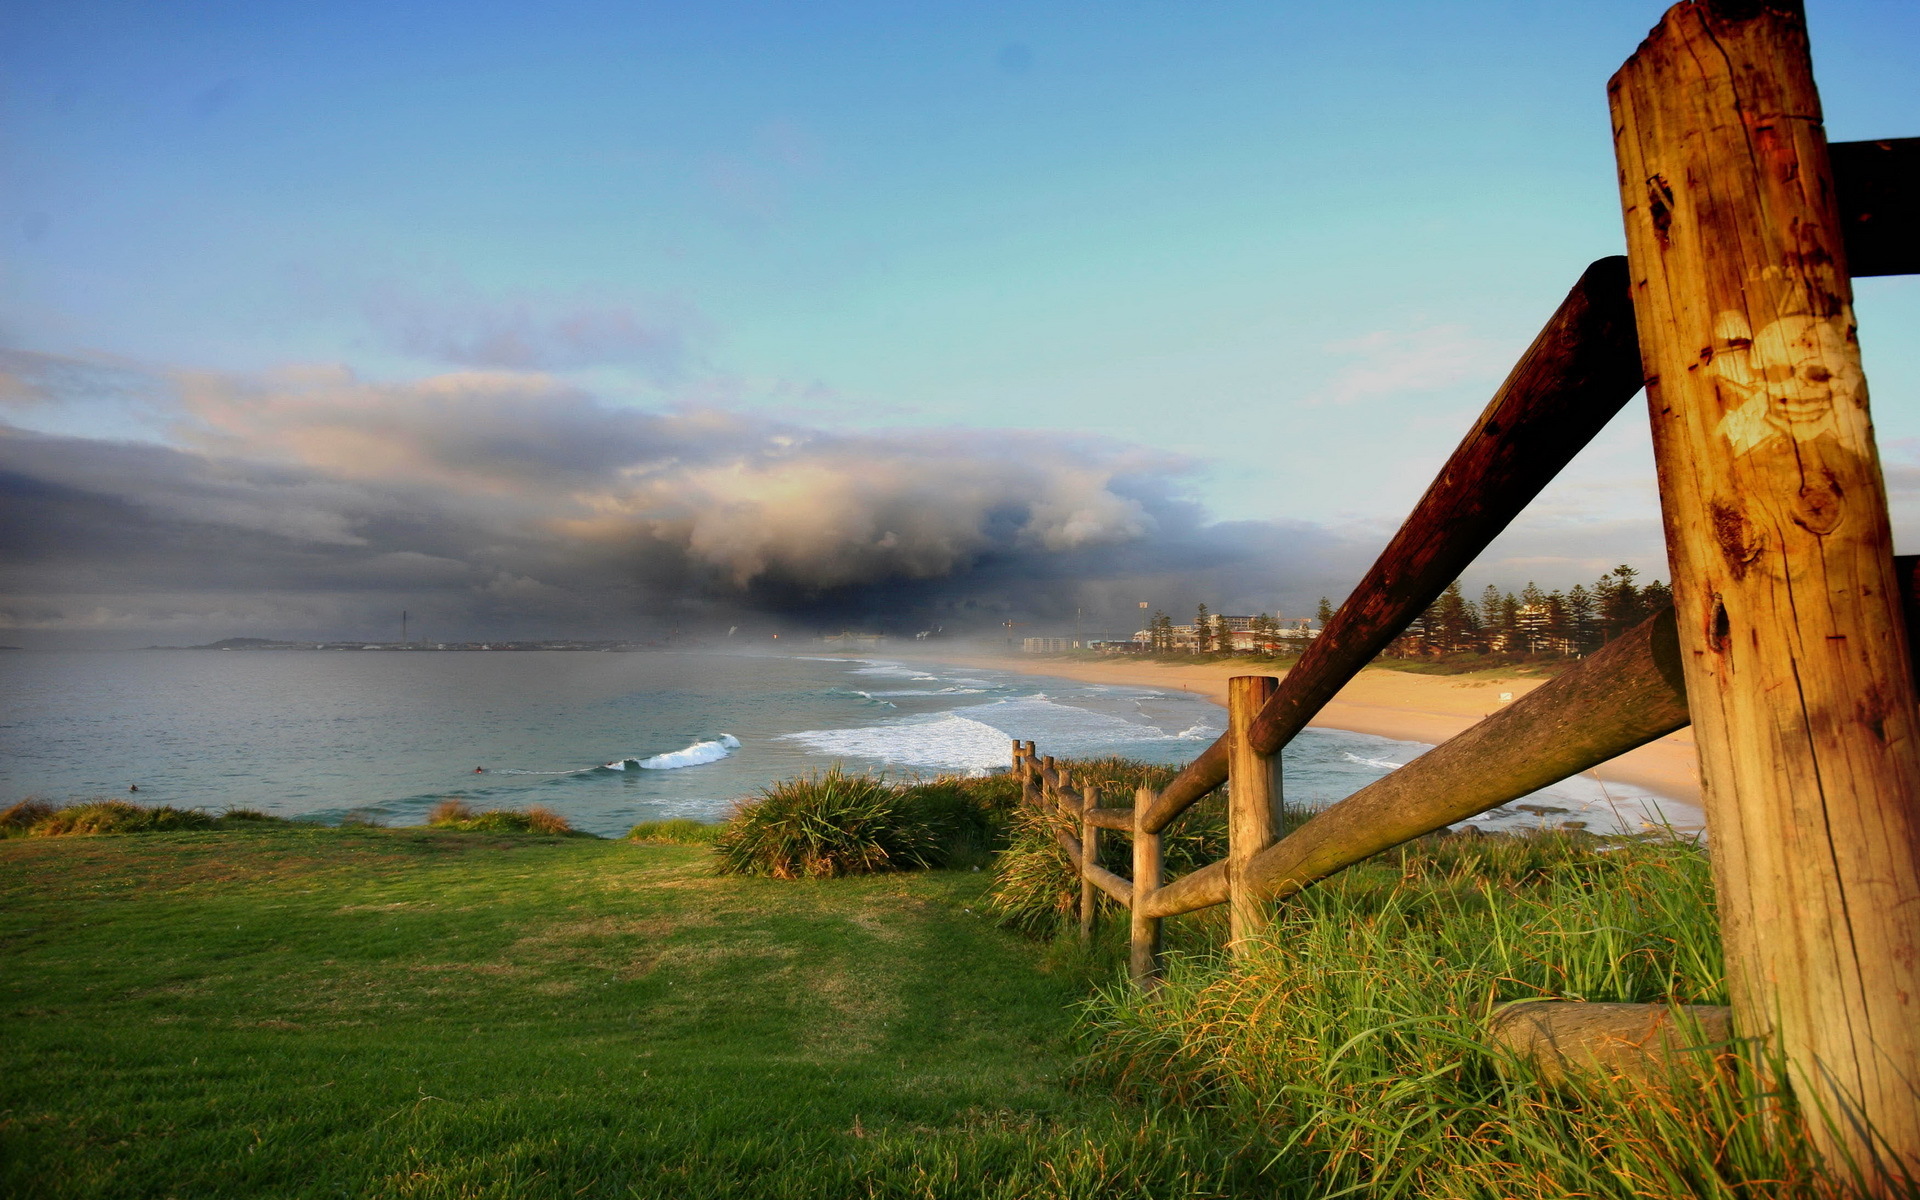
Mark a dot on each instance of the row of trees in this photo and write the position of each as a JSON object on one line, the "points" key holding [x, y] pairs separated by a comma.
{"points": [[1534, 622]]}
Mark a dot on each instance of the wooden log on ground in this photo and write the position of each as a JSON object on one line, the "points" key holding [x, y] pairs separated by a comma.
{"points": [[1581, 370], [1566, 1040], [1253, 803], [1144, 933], [1778, 535], [1625, 695]]}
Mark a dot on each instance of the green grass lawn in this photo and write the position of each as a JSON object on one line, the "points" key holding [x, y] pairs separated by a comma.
{"points": [[296, 1011]]}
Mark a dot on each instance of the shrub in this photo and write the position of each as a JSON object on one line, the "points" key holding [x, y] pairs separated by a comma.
{"points": [[117, 816], [829, 825], [249, 816], [681, 831]]}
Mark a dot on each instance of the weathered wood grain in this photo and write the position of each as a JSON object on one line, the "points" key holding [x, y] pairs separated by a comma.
{"points": [[1253, 803], [1777, 530], [1143, 958]]}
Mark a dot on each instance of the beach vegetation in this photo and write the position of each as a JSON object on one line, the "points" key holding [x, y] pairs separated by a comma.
{"points": [[455, 813], [829, 824], [1352, 1035], [835, 823]]}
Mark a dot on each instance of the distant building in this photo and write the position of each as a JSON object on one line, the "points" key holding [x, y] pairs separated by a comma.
{"points": [[1048, 645], [854, 641]]}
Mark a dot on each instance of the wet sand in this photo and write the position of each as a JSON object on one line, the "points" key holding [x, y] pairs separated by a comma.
{"points": [[1379, 701]]}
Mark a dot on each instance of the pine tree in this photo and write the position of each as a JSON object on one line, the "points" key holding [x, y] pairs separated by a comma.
{"points": [[1491, 614], [1534, 601], [1559, 629], [1454, 623], [1222, 635], [1202, 631], [1655, 597], [1581, 625], [1619, 601], [1324, 614]]}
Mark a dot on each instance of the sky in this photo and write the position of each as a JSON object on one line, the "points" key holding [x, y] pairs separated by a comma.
{"points": [[604, 319]]}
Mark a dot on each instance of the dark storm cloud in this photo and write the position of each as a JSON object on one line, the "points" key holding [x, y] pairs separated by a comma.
{"points": [[313, 502]]}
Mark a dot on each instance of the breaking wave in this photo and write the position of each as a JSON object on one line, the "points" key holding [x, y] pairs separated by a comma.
{"points": [[697, 754]]}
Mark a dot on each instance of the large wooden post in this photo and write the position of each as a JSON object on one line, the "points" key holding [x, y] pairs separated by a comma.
{"points": [[1145, 957], [1089, 856], [1776, 519], [1253, 803]]}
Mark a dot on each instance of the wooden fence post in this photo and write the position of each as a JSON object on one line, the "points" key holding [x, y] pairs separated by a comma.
{"points": [[1253, 803], [1776, 519], [1145, 958], [1089, 855]]}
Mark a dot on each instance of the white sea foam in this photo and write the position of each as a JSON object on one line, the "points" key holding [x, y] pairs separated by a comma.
{"points": [[947, 742], [894, 670], [1379, 763], [697, 754]]}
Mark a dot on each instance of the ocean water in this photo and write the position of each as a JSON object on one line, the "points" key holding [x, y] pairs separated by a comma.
{"points": [[606, 739]]}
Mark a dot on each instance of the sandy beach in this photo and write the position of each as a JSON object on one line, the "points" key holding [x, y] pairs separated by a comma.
{"points": [[1379, 701]]}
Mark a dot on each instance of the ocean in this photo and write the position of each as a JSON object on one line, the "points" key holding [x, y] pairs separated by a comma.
{"points": [[605, 739]]}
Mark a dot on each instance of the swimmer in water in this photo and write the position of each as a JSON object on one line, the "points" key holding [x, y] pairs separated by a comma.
{"points": [[479, 770], [133, 787]]}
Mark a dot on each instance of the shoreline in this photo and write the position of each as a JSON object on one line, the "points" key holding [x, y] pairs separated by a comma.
{"points": [[1380, 701]]}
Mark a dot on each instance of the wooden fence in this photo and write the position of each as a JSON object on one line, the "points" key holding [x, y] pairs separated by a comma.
{"points": [[1786, 647]]}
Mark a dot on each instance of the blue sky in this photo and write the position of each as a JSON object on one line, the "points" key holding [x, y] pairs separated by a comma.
{"points": [[1290, 247]]}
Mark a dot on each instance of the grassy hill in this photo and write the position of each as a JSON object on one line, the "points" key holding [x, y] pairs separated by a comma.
{"points": [[297, 1011]]}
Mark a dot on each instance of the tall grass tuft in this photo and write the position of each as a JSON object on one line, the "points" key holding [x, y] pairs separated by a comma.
{"points": [[828, 825], [1350, 1038], [117, 816], [17, 819], [455, 813]]}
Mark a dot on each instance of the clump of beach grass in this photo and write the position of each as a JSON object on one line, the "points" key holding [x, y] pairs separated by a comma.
{"points": [[103, 816], [35, 817], [455, 813], [1352, 1034], [830, 824]]}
